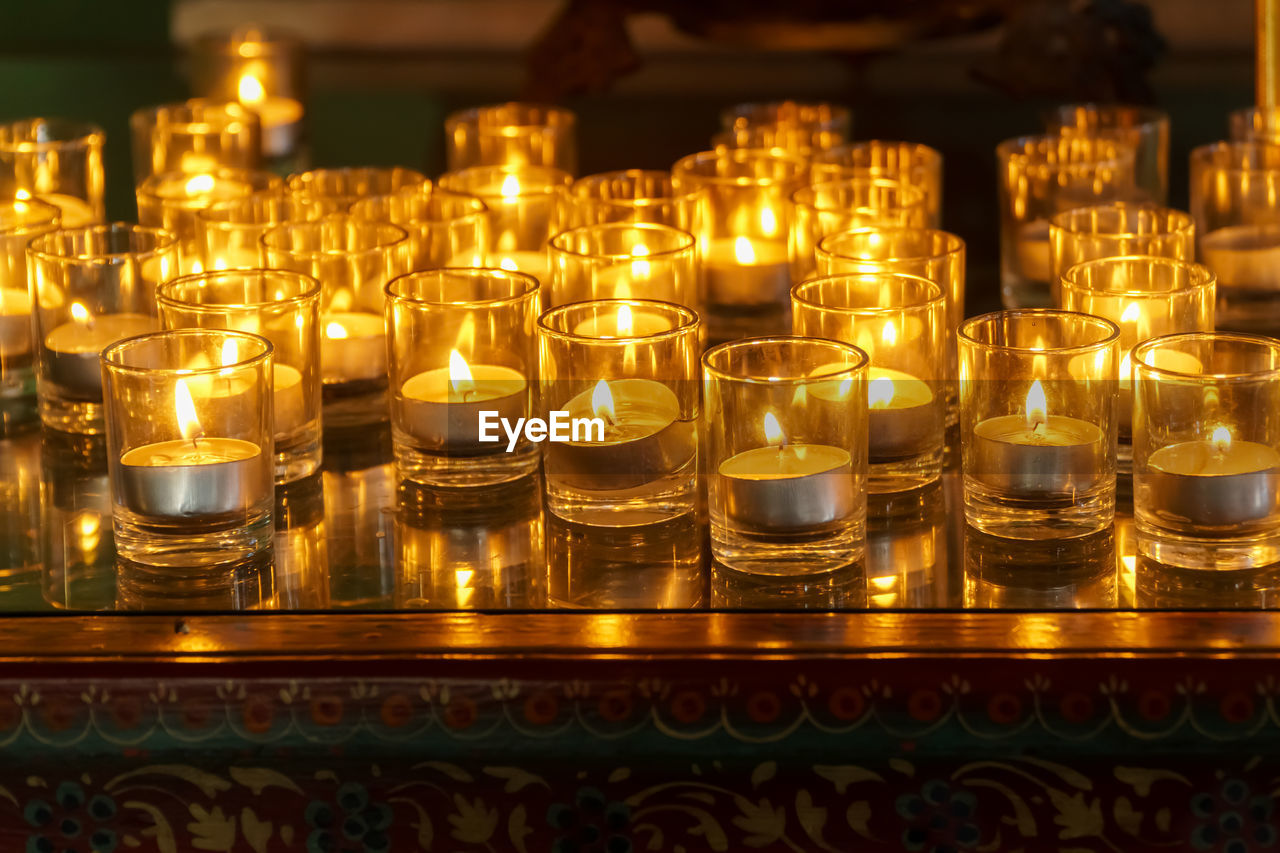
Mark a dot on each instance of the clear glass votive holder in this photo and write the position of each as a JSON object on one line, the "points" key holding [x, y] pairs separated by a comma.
{"points": [[229, 233], [283, 307], [910, 163], [1206, 450], [794, 139], [58, 160], [742, 214], [845, 204], [628, 195], [620, 377], [20, 223], [172, 200], [92, 286], [786, 454], [525, 204], [1038, 423], [1255, 124], [1115, 229], [899, 321], [196, 135], [813, 116], [623, 260], [335, 190], [1145, 297], [353, 261], [1145, 129], [463, 363], [445, 228], [512, 134], [1038, 176], [938, 256], [189, 452], [1235, 201]]}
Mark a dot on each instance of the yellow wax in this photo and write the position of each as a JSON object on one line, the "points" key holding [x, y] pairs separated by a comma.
{"points": [[488, 382], [789, 462], [1245, 256], [15, 322], [793, 487], [182, 451], [360, 355], [764, 280], [1207, 459], [76, 212], [287, 399], [445, 415], [906, 392], [643, 323], [535, 264], [1032, 250]]}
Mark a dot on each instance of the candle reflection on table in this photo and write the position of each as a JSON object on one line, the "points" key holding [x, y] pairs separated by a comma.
{"points": [[20, 522], [359, 503], [301, 553], [77, 540], [1051, 574]]}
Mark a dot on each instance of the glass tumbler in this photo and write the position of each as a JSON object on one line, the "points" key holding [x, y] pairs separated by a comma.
{"points": [[899, 321], [57, 160], [847, 203], [1255, 124], [189, 453], [20, 222], [512, 134], [91, 286], [1206, 450], [335, 190], [194, 136], [623, 260], [283, 307], [445, 228], [628, 195], [909, 163], [811, 116], [463, 363], [229, 233], [1145, 129], [1038, 423], [619, 393], [786, 454]]}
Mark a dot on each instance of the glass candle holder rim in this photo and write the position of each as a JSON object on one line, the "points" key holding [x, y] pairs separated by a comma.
{"points": [[1149, 114], [426, 193], [303, 183], [113, 354], [277, 192], [862, 360], [47, 215], [1119, 155], [394, 235], [732, 114], [1185, 223], [1258, 119], [688, 321], [910, 196], [164, 296], [686, 240], [1202, 278], [77, 133], [831, 156], [270, 181], [557, 179], [954, 243], [233, 112], [393, 288], [1206, 155], [1139, 352], [165, 241], [577, 190], [1101, 323], [562, 117], [934, 295], [799, 164]]}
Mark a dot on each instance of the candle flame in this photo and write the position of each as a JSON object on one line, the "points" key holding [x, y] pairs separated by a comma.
{"points": [[624, 321], [79, 313], [743, 251], [639, 269], [335, 331], [230, 354], [250, 89], [508, 265], [602, 401], [460, 380], [880, 392], [773, 433], [1130, 314], [197, 184], [1037, 406], [889, 334], [1221, 439], [23, 195], [510, 186], [185, 409], [768, 221]]}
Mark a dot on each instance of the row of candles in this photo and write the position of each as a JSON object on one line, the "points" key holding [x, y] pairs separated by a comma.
{"points": [[605, 290]]}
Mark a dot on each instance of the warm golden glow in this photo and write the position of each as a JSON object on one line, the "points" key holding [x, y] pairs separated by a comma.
{"points": [[335, 331], [889, 334], [1221, 439], [79, 313], [624, 321], [230, 352], [510, 186], [460, 381], [773, 433], [880, 392], [602, 401], [185, 409], [23, 195], [508, 265], [768, 221], [743, 252], [639, 269], [1037, 406], [250, 90], [197, 184], [1131, 314]]}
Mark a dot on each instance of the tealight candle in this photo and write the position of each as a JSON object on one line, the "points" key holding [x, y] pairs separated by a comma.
{"points": [[441, 407], [288, 401], [643, 439], [625, 323], [73, 348], [741, 271], [15, 322], [1244, 256], [76, 212], [787, 487], [1219, 482], [1035, 454], [528, 262], [280, 116], [902, 419], [353, 347], [1032, 250]]}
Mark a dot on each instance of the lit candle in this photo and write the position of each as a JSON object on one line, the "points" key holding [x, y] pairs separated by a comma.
{"points": [[1035, 454], [15, 323], [280, 117], [353, 347], [623, 324], [531, 263], [902, 418], [741, 271], [1244, 256], [441, 407], [193, 477], [1214, 483], [787, 487], [72, 349], [623, 280], [1134, 328], [76, 212], [1031, 250], [644, 438], [287, 403]]}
